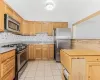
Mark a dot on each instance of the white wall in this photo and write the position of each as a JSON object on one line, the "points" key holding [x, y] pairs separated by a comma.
{"points": [[87, 31]]}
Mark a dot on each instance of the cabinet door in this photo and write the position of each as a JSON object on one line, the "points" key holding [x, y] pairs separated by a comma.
{"points": [[51, 51], [31, 51], [78, 69], [50, 29], [64, 24], [45, 26], [1, 16], [94, 71], [10, 75], [37, 27], [32, 28], [45, 52], [38, 52], [25, 28], [56, 25]]}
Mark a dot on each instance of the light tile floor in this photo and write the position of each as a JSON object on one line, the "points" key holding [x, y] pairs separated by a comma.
{"points": [[42, 70]]}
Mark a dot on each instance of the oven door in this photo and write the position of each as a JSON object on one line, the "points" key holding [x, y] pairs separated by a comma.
{"points": [[21, 58], [66, 74]]}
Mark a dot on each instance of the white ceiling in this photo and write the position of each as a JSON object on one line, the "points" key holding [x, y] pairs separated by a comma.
{"points": [[65, 10]]}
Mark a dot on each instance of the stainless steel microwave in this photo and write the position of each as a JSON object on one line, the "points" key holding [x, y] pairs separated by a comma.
{"points": [[11, 24]]}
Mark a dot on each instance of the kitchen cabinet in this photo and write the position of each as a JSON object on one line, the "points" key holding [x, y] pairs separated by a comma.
{"points": [[93, 71], [81, 64], [50, 29], [57, 25], [2, 11], [41, 51], [64, 24], [31, 28], [60, 24], [51, 51], [8, 10], [38, 52], [45, 26], [38, 26], [78, 69], [25, 28], [31, 52], [41, 27], [7, 65], [45, 52], [17, 17], [10, 75]]}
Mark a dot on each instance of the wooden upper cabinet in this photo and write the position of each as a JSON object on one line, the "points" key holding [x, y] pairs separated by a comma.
{"points": [[38, 27], [25, 28], [2, 11], [60, 24], [50, 29], [8, 10], [17, 17], [55, 25], [32, 28], [64, 24], [45, 26]]}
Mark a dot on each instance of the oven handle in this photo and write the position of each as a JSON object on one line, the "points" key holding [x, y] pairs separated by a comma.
{"points": [[20, 52]]}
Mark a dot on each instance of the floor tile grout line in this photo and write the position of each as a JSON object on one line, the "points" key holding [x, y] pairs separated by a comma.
{"points": [[36, 70], [52, 72]]}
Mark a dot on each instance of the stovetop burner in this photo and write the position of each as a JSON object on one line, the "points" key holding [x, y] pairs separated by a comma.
{"points": [[18, 47]]}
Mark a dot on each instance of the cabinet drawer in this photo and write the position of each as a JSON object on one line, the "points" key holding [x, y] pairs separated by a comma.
{"points": [[7, 55], [39, 46], [93, 58], [7, 65], [51, 45], [44, 45], [10, 75]]}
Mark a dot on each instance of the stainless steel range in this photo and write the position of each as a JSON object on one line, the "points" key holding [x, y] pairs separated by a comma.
{"points": [[21, 58]]}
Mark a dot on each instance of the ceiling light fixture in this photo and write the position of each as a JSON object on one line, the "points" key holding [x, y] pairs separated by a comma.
{"points": [[50, 5]]}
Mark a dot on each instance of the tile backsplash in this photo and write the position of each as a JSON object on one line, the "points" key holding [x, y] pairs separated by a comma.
{"points": [[7, 37], [93, 44]]}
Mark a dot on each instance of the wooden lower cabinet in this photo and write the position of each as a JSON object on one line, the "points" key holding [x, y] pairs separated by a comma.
{"points": [[51, 51], [45, 51], [38, 52], [81, 67], [93, 71], [7, 65], [10, 75], [31, 52]]}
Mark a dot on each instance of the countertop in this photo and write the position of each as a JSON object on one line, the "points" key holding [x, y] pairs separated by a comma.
{"points": [[3, 50], [81, 52]]}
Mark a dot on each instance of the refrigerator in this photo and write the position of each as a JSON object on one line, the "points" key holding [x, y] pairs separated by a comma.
{"points": [[62, 40]]}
